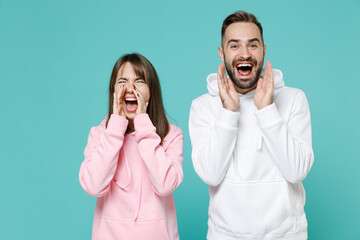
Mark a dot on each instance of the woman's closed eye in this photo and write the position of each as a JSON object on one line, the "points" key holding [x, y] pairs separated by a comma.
{"points": [[140, 81], [122, 80]]}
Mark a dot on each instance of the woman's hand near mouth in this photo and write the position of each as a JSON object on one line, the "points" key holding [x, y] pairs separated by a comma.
{"points": [[142, 105], [118, 104]]}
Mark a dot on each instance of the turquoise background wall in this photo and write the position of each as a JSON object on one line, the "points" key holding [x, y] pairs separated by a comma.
{"points": [[55, 63]]}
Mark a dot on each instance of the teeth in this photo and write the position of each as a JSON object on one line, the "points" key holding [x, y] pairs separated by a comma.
{"points": [[243, 65], [130, 99]]}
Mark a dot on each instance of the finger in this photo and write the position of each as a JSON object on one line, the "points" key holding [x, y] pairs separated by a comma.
{"points": [[224, 78], [268, 70], [117, 97], [219, 77], [136, 93], [114, 102], [121, 94], [121, 100], [259, 84], [270, 75], [139, 97], [141, 101]]}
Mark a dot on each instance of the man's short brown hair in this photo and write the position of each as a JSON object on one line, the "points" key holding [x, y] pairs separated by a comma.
{"points": [[240, 16]]}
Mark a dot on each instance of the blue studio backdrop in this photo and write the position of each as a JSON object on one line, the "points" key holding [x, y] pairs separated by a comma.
{"points": [[55, 63]]}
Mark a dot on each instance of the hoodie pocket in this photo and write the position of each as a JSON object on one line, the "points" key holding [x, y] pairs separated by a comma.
{"points": [[112, 229], [252, 207]]}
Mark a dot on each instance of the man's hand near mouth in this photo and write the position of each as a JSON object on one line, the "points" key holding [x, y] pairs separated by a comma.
{"points": [[264, 94], [229, 97]]}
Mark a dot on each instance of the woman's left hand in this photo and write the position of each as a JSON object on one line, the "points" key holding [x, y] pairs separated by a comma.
{"points": [[142, 105]]}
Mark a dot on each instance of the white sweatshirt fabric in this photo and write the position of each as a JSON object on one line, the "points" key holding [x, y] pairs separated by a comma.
{"points": [[253, 161]]}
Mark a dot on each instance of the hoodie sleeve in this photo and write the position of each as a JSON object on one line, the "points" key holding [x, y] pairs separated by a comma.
{"points": [[101, 156], [213, 142], [289, 144], [164, 164]]}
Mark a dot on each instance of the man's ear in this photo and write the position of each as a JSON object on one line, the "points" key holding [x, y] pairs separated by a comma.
{"points": [[264, 50], [221, 54]]}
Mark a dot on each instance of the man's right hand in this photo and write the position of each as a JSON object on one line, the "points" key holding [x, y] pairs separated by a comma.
{"points": [[229, 97]]}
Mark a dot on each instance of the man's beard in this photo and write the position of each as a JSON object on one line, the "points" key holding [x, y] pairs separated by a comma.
{"points": [[238, 82]]}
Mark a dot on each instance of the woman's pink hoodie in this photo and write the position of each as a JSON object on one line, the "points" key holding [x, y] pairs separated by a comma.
{"points": [[133, 177]]}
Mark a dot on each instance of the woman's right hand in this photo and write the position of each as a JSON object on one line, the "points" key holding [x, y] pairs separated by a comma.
{"points": [[118, 104]]}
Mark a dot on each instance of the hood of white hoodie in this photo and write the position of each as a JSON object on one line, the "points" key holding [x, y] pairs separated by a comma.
{"points": [[214, 90]]}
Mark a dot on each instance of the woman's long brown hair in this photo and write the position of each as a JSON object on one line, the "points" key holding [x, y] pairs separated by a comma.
{"points": [[145, 70]]}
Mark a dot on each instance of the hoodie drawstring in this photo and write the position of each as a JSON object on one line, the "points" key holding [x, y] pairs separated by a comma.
{"points": [[140, 190]]}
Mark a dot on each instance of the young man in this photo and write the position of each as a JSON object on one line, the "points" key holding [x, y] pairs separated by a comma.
{"points": [[251, 142]]}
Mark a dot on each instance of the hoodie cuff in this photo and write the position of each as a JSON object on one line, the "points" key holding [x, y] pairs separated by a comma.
{"points": [[117, 124], [268, 117], [228, 119], [143, 126]]}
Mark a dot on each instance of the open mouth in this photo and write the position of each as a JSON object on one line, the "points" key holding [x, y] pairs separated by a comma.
{"points": [[131, 104], [245, 69]]}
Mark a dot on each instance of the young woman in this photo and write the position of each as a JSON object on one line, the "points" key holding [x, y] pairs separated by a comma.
{"points": [[133, 159]]}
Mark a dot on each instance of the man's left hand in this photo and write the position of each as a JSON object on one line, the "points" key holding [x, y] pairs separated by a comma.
{"points": [[264, 94]]}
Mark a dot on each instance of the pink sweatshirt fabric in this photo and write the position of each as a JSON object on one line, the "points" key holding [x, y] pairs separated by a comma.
{"points": [[133, 177]]}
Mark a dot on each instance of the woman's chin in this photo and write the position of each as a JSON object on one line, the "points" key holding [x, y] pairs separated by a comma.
{"points": [[130, 115]]}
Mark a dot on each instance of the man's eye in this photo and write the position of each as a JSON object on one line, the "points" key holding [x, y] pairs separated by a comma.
{"points": [[253, 46], [234, 46]]}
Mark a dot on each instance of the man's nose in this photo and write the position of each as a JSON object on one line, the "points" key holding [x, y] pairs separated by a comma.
{"points": [[243, 53]]}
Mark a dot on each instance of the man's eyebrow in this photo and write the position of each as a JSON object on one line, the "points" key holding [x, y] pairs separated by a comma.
{"points": [[254, 40], [238, 40], [232, 40]]}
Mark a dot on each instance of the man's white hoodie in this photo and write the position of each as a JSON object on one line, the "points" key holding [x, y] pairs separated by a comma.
{"points": [[253, 161]]}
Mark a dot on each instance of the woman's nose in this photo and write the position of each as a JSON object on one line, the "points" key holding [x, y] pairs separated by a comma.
{"points": [[129, 87]]}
